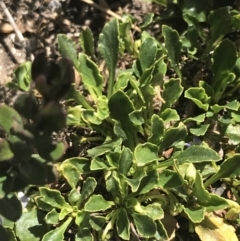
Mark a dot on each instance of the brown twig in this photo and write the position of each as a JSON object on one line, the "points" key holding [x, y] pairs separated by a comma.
{"points": [[109, 12]]}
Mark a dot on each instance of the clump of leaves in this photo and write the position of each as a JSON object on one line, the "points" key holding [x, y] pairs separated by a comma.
{"points": [[146, 161]]}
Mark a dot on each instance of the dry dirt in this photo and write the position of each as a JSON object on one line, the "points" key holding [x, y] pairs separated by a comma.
{"points": [[41, 20]]}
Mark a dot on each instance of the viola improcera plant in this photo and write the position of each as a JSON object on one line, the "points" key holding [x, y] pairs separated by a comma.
{"points": [[147, 163]]}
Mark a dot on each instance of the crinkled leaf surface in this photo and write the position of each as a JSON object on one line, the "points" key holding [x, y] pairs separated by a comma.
{"points": [[196, 154], [198, 96], [173, 135], [172, 90], [108, 47], [173, 45], [145, 153], [71, 173], [120, 106], [97, 203], [157, 130], [52, 217], [146, 227], [53, 197], [88, 188], [91, 77], [147, 53], [67, 48], [125, 161]]}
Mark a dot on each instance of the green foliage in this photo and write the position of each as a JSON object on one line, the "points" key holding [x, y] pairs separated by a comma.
{"points": [[144, 158]]}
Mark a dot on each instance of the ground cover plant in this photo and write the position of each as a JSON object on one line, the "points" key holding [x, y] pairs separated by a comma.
{"points": [[159, 142]]}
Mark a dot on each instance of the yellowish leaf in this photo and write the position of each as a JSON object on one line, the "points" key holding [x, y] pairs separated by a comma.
{"points": [[213, 228]]}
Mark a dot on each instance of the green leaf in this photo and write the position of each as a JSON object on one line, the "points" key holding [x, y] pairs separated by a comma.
{"points": [[52, 217], [200, 130], [220, 21], [136, 117], [84, 235], [57, 234], [172, 90], [221, 65], [51, 118], [169, 115], [87, 41], [215, 203], [36, 171], [31, 226], [71, 174], [91, 77], [197, 154], [173, 46], [104, 148], [233, 105], [123, 224], [73, 196], [169, 179], [41, 204], [48, 149], [97, 222], [82, 219], [9, 118], [147, 19], [173, 135], [147, 53], [102, 107], [228, 169], [148, 183], [108, 47], [161, 233], [6, 184], [120, 106], [125, 161], [5, 151], [154, 211], [157, 130], [11, 208], [125, 37], [23, 76], [195, 214], [81, 163], [196, 9], [145, 153], [64, 212], [67, 48], [26, 105], [99, 164], [54, 198], [97, 203], [233, 133], [145, 225], [88, 188], [198, 96], [198, 119]]}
